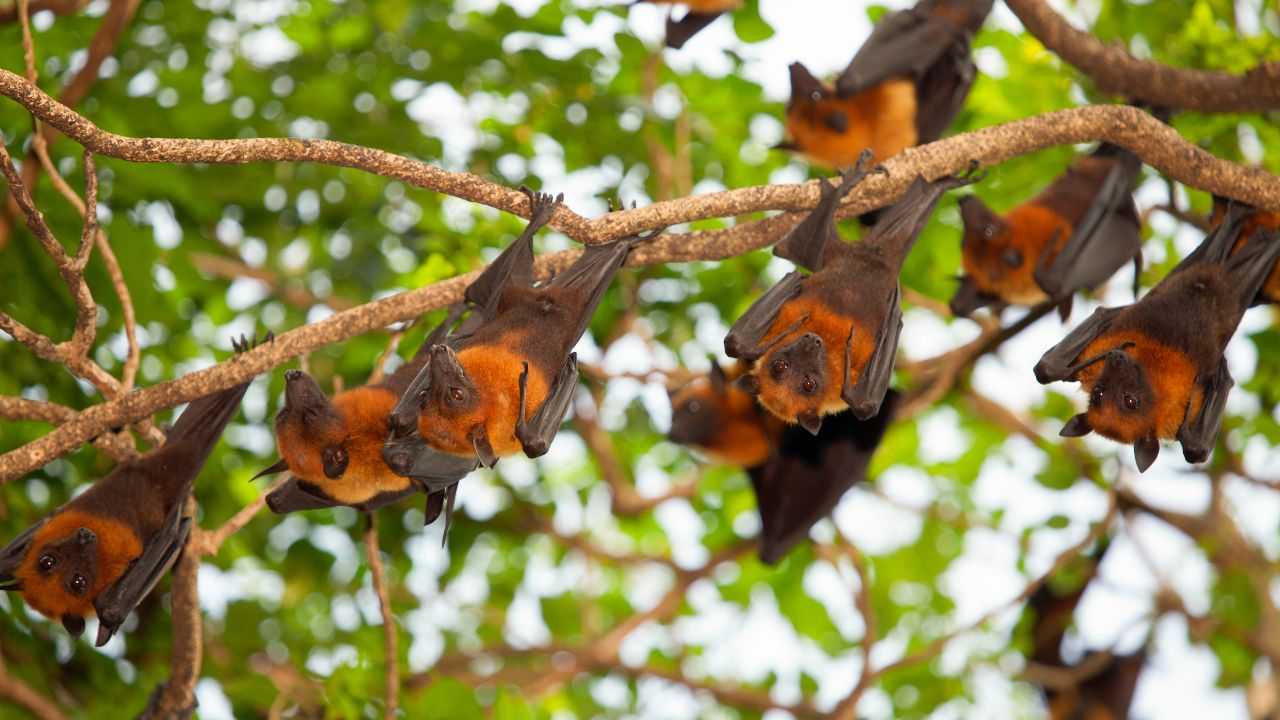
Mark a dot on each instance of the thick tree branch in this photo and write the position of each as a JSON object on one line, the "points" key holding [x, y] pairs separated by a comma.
{"points": [[1116, 71], [1158, 144]]}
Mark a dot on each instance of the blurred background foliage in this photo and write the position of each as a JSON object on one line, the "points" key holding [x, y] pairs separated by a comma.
{"points": [[561, 97]]}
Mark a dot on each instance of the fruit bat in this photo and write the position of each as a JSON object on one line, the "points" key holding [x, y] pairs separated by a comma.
{"points": [[1104, 695], [1253, 226], [798, 478], [903, 87], [816, 345], [1072, 236], [700, 14], [503, 383], [1154, 370], [332, 448], [105, 549]]}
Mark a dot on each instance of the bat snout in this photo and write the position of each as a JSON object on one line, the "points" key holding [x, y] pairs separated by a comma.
{"points": [[85, 536], [399, 459]]}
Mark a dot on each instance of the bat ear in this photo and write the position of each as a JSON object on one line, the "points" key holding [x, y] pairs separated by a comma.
{"points": [[280, 465], [810, 421], [974, 213], [74, 625], [749, 384], [484, 450], [1145, 452], [1077, 426], [719, 381], [13, 555]]}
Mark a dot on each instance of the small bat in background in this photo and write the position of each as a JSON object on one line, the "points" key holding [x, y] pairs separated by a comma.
{"points": [[503, 383], [1074, 235], [332, 448], [1254, 226], [1154, 370], [1105, 694], [700, 14], [816, 345], [105, 549], [903, 88], [798, 478]]}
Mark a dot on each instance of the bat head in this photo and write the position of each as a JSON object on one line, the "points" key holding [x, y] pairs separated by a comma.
{"points": [[311, 433], [791, 381], [61, 575], [990, 255], [805, 88], [698, 409]]}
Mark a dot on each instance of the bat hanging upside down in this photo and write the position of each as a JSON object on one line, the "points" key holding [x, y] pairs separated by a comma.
{"points": [[819, 344], [1107, 692], [503, 383], [1072, 236], [700, 13], [903, 88], [798, 478], [105, 549], [1154, 370], [333, 448]]}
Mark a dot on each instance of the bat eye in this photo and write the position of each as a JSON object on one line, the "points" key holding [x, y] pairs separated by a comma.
{"points": [[779, 367], [78, 584], [1130, 402], [809, 385], [694, 407], [815, 96], [47, 563], [989, 231], [1098, 393], [455, 394], [423, 397], [1012, 258], [335, 462]]}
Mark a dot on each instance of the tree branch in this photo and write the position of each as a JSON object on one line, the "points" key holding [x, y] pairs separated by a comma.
{"points": [[22, 694], [1116, 71], [9, 13], [392, 669]]}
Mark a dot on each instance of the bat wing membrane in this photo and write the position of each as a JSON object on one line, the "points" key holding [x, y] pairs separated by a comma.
{"points": [[866, 395], [1199, 431], [158, 555], [1057, 361], [746, 338], [535, 436]]}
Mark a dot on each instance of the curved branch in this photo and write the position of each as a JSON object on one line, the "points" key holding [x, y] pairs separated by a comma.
{"points": [[1116, 71], [1156, 143], [9, 13]]}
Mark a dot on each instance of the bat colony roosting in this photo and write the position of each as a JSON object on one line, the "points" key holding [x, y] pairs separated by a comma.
{"points": [[806, 404]]}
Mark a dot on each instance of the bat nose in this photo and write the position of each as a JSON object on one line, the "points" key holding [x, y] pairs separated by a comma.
{"points": [[400, 460], [293, 375], [810, 341], [85, 536]]}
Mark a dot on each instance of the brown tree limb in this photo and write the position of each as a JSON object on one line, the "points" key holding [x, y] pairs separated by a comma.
{"points": [[10, 13], [1159, 145], [24, 695], [117, 446], [1115, 71], [293, 294], [177, 696], [392, 669]]}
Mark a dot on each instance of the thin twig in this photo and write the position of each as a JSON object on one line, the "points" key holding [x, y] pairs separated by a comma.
{"points": [[23, 694], [392, 669]]}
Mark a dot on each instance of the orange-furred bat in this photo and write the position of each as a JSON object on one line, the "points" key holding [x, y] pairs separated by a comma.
{"points": [[903, 87], [798, 478], [700, 14], [822, 343], [332, 448], [1104, 695], [1154, 370], [1253, 226], [503, 382], [103, 551], [1072, 236]]}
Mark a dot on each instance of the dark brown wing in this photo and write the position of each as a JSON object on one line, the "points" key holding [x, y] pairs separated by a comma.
{"points": [[514, 267], [535, 435], [808, 474], [159, 554], [865, 396], [746, 338], [679, 31], [903, 44], [1058, 361], [1106, 237]]}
